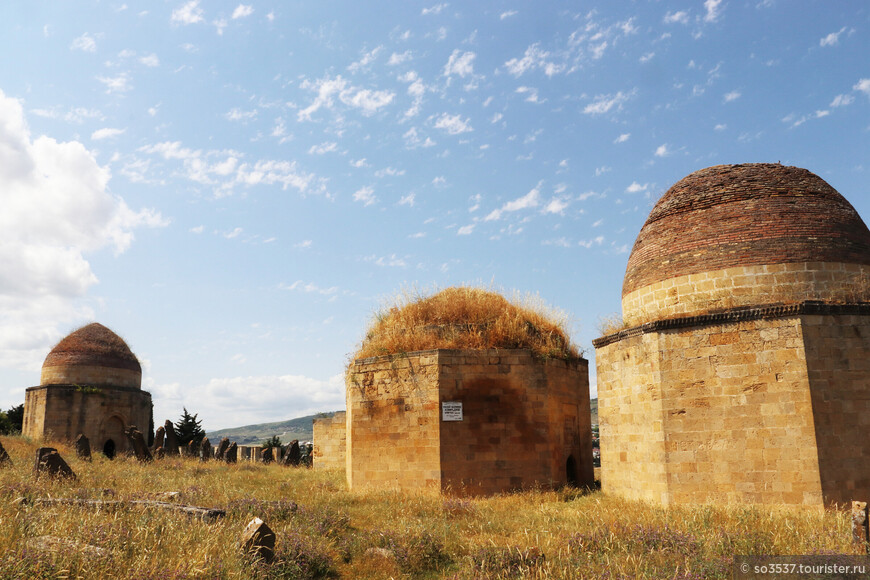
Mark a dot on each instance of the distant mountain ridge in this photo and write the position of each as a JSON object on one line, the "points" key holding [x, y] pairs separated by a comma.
{"points": [[301, 428]]}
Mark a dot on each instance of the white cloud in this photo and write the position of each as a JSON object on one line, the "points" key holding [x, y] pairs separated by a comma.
{"points": [[392, 261], [680, 17], [720, 127], [359, 163], [240, 115], [57, 209], [460, 64], [310, 287], [150, 61], [635, 187], [234, 233], [832, 39], [323, 148], [622, 138], [532, 94], [842, 100], [507, 14], [396, 58], [528, 201], [603, 103], [413, 139], [389, 172], [534, 58], [118, 84], [662, 150], [243, 11], [304, 244], [713, 10], [408, 199], [106, 133], [434, 9], [84, 43], [367, 100], [453, 124], [366, 195], [864, 86], [366, 59], [465, 230], [556, 205], [732, 96], [189, 13], [198, 229]]}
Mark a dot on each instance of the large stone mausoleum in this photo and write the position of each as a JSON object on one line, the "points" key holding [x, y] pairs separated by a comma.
{"points": [[91, 384], [466, 421], [743, 373]]}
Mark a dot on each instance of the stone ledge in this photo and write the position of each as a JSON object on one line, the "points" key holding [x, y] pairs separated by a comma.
{"points": [[740, 314]]}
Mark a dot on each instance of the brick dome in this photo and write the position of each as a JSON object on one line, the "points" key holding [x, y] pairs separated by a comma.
{"points": [[739, 235], [93, 355]]}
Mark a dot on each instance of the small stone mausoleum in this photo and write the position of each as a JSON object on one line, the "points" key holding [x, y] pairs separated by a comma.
{"points": [[466, 421], [743, 373], [91, 383]]}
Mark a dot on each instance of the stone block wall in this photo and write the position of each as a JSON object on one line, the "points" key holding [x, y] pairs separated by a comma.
{"points": [[94, 375], [703, 292], [525, 422], [838, 364], [765, 410], [61, 412], [330, 437]]}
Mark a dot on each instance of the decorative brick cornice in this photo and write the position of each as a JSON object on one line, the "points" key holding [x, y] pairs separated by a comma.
{"points": [[768, 311], [745, 215]]}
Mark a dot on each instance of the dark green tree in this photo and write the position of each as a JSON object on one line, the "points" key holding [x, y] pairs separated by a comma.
{"points": [[12, 420], [189, 429], [273, 441]]}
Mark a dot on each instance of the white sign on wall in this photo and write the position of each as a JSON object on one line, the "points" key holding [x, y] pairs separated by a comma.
{"points": [[451, 410]]}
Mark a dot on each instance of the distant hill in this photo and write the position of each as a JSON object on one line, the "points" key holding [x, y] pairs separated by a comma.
{"points": [[301, 428]]}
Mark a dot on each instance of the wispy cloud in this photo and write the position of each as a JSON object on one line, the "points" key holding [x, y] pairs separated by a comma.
{"points": [[622, 138], [366, 195], [680, 17], [460, 64], [323, 148], [85, 43], [832, 39], [662, 150], [732, 96], [189, 13], [242, 11], [453, 124], [437, 9], [635, 187], [604, 103], [714, 10], [528, 201], [106, 133]]}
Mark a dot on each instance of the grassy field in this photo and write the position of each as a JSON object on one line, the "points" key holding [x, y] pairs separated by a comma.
{"points": [[325, 531]]}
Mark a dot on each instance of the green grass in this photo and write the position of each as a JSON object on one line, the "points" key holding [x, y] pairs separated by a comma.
{"points": [[326, 531]]}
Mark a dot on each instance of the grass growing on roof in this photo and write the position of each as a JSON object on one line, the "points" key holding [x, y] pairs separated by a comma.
{"points": [[465, 317]]}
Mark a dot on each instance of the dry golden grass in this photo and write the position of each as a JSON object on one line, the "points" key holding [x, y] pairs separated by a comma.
{"points": [[465, 317], [326, 531], [610, 324]]}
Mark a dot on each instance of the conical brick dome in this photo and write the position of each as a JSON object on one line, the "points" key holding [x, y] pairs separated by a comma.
{"points": [[743, 235], [93, 355]]}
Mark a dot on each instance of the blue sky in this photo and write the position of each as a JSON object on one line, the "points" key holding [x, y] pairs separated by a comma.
{"points": [[235, 188]]}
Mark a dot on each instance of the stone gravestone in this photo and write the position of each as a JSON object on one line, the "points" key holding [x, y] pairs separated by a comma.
{"points": [[222, 449], [205, 449], [5, 461], [294, 455], [137, 443], [191, 449], [159, 453], [232, 453], [258, 540], [83, 447], [159, 436], [268, 455], [171, 445], [49, 462]]}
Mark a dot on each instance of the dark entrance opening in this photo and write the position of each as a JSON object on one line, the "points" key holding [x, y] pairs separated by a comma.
{"points": [[109, 449], [571, 471]]}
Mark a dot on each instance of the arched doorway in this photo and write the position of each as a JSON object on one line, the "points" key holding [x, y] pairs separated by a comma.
{"points": [[571, 472], [113, 433]]}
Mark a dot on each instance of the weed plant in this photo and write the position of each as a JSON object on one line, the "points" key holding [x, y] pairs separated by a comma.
{"points": [[466, 317], [325, 531]]}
